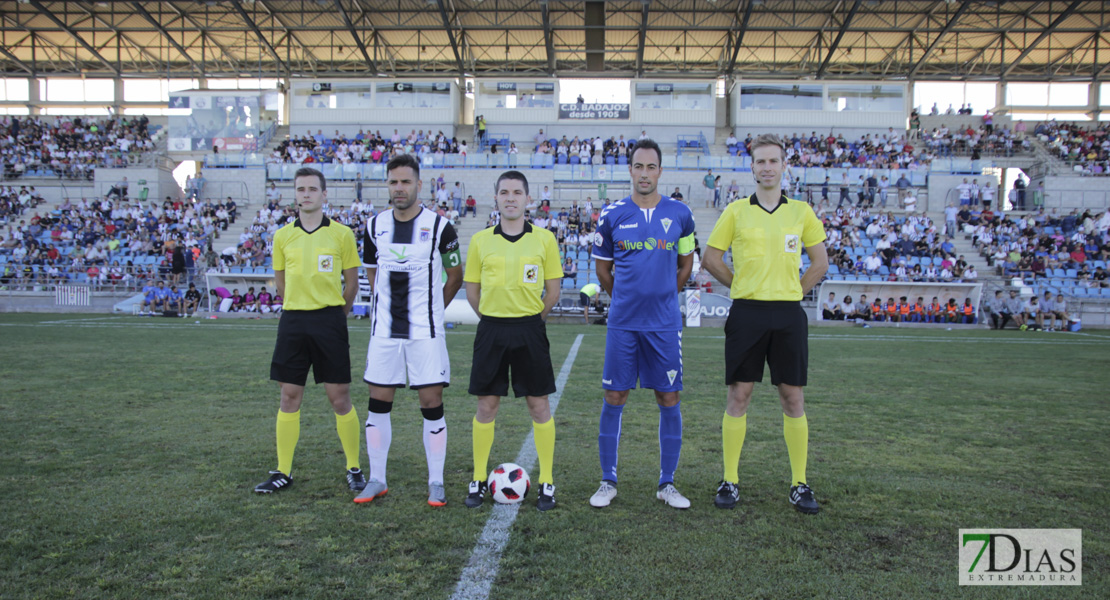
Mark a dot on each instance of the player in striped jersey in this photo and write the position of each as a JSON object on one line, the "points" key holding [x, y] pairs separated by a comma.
{"points": [[406, 251]]}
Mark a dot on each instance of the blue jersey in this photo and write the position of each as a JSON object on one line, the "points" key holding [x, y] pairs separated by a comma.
{"points": [[162, 293], [148, 292], [644, 245]]}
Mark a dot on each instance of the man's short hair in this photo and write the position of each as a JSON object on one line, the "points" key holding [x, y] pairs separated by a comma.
{"points": [[403, 160], [310, 172], [650, 145], [768, 139], [513, 175]]}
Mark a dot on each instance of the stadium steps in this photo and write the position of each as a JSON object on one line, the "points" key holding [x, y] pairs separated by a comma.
{"points": [[1049, 160], [988, 276]]}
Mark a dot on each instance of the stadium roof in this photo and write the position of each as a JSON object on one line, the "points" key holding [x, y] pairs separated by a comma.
{"points": [[848, 39]]}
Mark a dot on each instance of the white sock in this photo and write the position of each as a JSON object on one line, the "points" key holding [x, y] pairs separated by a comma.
{"points": [[379, 434], [435, 447]]}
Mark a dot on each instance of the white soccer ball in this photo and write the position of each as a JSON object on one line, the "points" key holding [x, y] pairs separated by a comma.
{"points": [[509, 483]]}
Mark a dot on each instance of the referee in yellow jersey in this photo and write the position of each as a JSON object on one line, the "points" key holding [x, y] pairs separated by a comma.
{"points": [[767, 233], [512, 276], [316, 265]]}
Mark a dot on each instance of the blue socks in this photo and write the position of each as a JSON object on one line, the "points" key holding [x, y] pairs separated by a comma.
{"points": [[608, 438], [670, 441]]}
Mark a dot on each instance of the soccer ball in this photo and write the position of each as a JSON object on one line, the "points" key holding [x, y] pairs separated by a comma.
{"points": [[509, 483]]}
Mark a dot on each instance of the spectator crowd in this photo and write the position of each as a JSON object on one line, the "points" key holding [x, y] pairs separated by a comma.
{"points": [[1085, 148], [71, 147], [363, 147]]}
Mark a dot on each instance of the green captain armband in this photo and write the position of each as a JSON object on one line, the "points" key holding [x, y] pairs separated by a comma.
{"points": [[452, 259], [686, 245]]}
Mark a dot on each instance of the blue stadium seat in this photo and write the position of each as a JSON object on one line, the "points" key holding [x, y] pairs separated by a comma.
{"points": [[1072, 273], [562, 159], [622, 160], [834, 270], [610, 160], [1105, 292], [574, 160]]}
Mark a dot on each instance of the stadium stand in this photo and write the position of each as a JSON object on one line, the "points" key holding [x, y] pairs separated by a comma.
{"points": [[72, 147], [108, 244]]}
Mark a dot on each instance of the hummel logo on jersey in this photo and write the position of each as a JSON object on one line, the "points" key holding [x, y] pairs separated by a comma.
{"points": [[666, 225], [632, 226], [671, 375]]}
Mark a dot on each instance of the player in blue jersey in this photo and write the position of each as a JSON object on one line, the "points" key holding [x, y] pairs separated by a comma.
{"points": [[644, 252], [161, 297], [148, 298]]}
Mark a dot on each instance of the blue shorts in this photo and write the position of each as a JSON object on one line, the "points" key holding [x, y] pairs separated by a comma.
{"points": [[653, 357]]}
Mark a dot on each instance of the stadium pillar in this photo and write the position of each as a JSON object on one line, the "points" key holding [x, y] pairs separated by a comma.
{"points": [[1000, 94], [33, 97], [117, 105], [595, 36], [285, 91], [1094, 100]]}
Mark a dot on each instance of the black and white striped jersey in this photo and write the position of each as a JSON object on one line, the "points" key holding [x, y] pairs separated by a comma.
{"points": [[408, 282]]}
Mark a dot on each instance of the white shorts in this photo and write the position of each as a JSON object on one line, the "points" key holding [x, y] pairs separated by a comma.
{"points": [[425, 361]]}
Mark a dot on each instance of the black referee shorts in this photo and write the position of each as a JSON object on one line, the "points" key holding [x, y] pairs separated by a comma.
{"points": [[518, 346], [775, 333], [312, 338]]}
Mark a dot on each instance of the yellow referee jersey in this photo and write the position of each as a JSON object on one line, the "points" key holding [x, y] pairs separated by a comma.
{"points": [[512, 270], [314, 263], [766, 246]]}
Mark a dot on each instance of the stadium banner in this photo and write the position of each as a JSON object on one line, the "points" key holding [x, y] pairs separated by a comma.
{"points": [[71, 295], [896, 289], [179, 144], [710, 306], [574, 112], [233, 143], [693, 308]]}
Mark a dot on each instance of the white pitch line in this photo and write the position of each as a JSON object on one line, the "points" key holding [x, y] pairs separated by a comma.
{"points": [[65, 321], [485, 560], [1055, 341]]}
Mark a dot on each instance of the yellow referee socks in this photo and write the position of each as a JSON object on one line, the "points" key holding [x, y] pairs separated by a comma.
{"points": [[348, 426], [733, 430], [544, 436], [288, 432], [483, 443], [796, 432]]}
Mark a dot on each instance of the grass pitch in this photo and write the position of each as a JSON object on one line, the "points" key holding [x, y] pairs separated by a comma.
{"points": [[130, 446]]}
